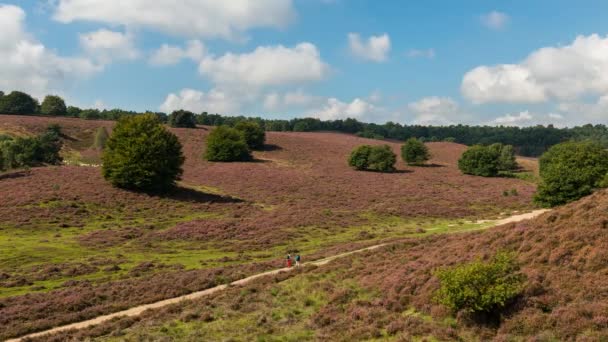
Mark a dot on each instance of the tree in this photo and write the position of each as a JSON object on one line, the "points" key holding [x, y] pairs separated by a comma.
{"points": [[255, 136], [225, 144], [570, 171], [415, 152], [53, 105], [373, 158], [506, 156], [480, 287], [183, 119], [141, 154], [18, 103], [479, 161], [31, 151], [101, 137], [73, 111]]}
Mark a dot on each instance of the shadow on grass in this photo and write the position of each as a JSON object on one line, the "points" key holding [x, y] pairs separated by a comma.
{"points": [[270, 148], [180, 193], [14, 174], [427, 165]]}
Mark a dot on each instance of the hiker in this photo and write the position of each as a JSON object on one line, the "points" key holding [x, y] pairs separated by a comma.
{"points": [[288, 260], [298, 260]]}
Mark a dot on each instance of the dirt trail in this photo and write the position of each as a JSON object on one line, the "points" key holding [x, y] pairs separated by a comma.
{"points": [[139, 309]]}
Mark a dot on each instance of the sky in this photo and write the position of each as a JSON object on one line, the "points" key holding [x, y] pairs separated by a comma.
{"points": [[430, 62]]}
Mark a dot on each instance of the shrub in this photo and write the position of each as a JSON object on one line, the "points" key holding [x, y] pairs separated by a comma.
{"points": [[18, 103], [373, 158], [479, 161], [31, 151], [570, 171], [73, 111], [142, 155], [225, 144], [101, 137], [53, 105], [480, 287], [255, 136], [90, 114], [183, 119], [506, 156], [415, 152]]}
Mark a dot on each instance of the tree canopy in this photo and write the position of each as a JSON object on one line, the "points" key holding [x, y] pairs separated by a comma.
{"points": [[226, 144]]}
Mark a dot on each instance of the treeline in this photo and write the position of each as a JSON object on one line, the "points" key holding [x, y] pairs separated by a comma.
{"points": [[527, 141]]}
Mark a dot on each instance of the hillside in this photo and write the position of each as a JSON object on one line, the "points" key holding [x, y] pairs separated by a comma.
{"points": [[74, 247], [388, 293]]}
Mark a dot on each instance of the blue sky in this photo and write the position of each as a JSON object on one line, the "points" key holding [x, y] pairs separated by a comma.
{"points": [[428, 62]]}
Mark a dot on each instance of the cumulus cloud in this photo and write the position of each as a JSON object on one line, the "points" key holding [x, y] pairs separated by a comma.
{"points": [[563, 73], [375, 48], [290, 100], [515, 120], [495, 20], [266, 66], [105, 45], [192, 18], [28, 65], [335, 109], [170, 55], [213, 101], [435, 110], [416, 53]]}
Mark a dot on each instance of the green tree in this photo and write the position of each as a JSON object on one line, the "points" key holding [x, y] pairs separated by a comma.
{"points": [[183, 119], [506, 156], [415, 152], [226, 144], [373, 158], [479, 161], [53, 105], [101, 137], [18, 103], [142, 155], [480, 287], [570, 171], [255, 136], [73, 111]]}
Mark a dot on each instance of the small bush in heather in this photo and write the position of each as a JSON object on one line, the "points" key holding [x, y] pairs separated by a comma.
{"points": [[18, 103], [479, 161], [480, 287], [570, 171], [53, 105], [183, 119], [31, 151], [142, 155], [225, 144], [506, 156], [415, 152], [101, 137], [255, 136], [373, 158]]}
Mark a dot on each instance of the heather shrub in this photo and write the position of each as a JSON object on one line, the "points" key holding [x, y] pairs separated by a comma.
{"points": [[570, 171], [142, 155], [101, 137], [18, 103], [480, 287], [479, 161], [255, 136], [373, 158], [53, 105], [183, 119], [225, 144], [415, 152]]}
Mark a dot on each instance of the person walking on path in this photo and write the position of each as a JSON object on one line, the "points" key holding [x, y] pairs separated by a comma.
{"points": [[288, 260], [298, 260]]}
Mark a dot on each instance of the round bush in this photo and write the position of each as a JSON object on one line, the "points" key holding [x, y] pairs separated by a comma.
{"points": [[255, 136], [225, 144], [183, 119], [373, 158], [479, 161], [570, 171], [18, 103], [415, 152], [53, 105], [142, 155]]}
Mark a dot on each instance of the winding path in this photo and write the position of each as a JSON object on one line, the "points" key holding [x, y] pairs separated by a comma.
{"points": [[135, 311]]}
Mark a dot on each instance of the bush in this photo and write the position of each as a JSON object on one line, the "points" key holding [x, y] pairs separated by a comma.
{"points": [[225, 144], [570, 171], [479, 161], [31, 151], [506, 157], [101, 137], [373, 158], [255, 136], [142, 155], [53, 105], [18, 103], [415, 152], [182, 119], [480, 287], [73, 111]]}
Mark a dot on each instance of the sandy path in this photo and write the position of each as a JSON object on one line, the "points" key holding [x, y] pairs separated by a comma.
{"points": [[139, 309]]}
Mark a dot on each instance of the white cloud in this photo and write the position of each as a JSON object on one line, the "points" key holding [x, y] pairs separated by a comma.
{"points": [[28, 65], [495, 20], [563, 73], [170, 55], [105, 45], [192, 18], [375, 49], [514, 120], [434, 110], [290, 100], [266, 66], [555, 116], [214, 101], [335, 109], [415, 53]]}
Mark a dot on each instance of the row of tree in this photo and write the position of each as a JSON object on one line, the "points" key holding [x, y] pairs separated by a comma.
{"points": [[381, 158]]}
